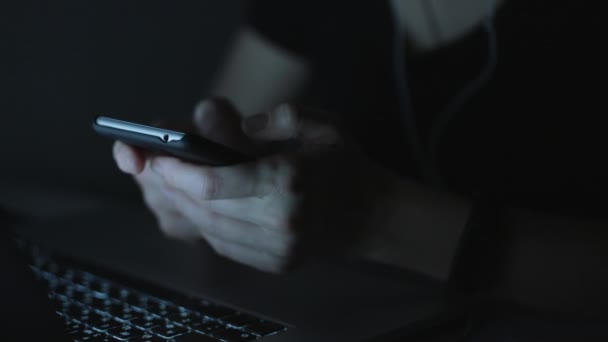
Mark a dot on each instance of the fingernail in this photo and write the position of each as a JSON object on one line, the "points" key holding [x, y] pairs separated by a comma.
{"points": [[256, 123]]}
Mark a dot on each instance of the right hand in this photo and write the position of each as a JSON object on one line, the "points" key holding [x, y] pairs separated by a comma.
{"points": [[215, 119]]}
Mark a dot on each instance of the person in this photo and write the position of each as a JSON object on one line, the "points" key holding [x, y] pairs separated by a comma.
{"points": [[317, 80]]}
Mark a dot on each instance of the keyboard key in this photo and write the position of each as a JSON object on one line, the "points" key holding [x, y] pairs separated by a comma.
{"points": [[147, 322], [195, 337], [233, 335], [240, 320], [59, 301], [134, 299], [186, 318], [81, 296], [120, 312], [208, 327], [75, 311], [101, 322], [101, 338], [161, 308], [73, 327], [80, 279], [50, 267], [169, 330], [95, 309], [264, 328], [115, 292], [147, 337], [62, 289], [100, 303], [123, 332], [99, 286], [84, 318], [87, 335]]}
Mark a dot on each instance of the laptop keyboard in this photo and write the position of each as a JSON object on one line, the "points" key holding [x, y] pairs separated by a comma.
{"points": [[97, 309]]}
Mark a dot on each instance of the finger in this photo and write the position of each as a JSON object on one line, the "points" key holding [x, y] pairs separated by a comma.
{"points": [[147, 178], [263, 177], [159, 203], [129, 159], [170, 221], [152, 187], [285, 122], [248, 256], [271, 212], [218, 120], [173, 224], [234, 231]]}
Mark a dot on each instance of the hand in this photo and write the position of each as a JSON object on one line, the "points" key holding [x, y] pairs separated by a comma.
{"points": [[318, 198], [214, 119]]}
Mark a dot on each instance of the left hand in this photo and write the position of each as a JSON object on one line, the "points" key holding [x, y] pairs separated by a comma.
{"points": [[321, 197]]}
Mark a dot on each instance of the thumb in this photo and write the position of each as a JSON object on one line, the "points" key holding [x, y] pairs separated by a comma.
{"points": [[286, 122], [218, 120]]}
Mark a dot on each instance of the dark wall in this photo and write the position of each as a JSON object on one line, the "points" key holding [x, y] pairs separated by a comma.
{"points": [[65, 61]]}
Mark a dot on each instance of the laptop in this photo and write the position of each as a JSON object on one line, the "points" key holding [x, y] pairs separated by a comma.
{"points": [[110, 275]]}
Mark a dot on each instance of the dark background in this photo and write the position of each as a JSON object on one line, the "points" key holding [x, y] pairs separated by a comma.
{"points": [[63, 62]]}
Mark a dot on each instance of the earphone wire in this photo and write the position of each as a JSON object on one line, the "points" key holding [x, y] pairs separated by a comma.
{"points": [[427, 160], [466, 94], [403, 94]]}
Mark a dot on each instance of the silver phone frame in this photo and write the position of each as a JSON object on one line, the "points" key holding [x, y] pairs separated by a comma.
{"points": [[162, 134]]}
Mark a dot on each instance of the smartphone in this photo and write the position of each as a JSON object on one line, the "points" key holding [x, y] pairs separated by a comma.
{"points": [[188, 147]]}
